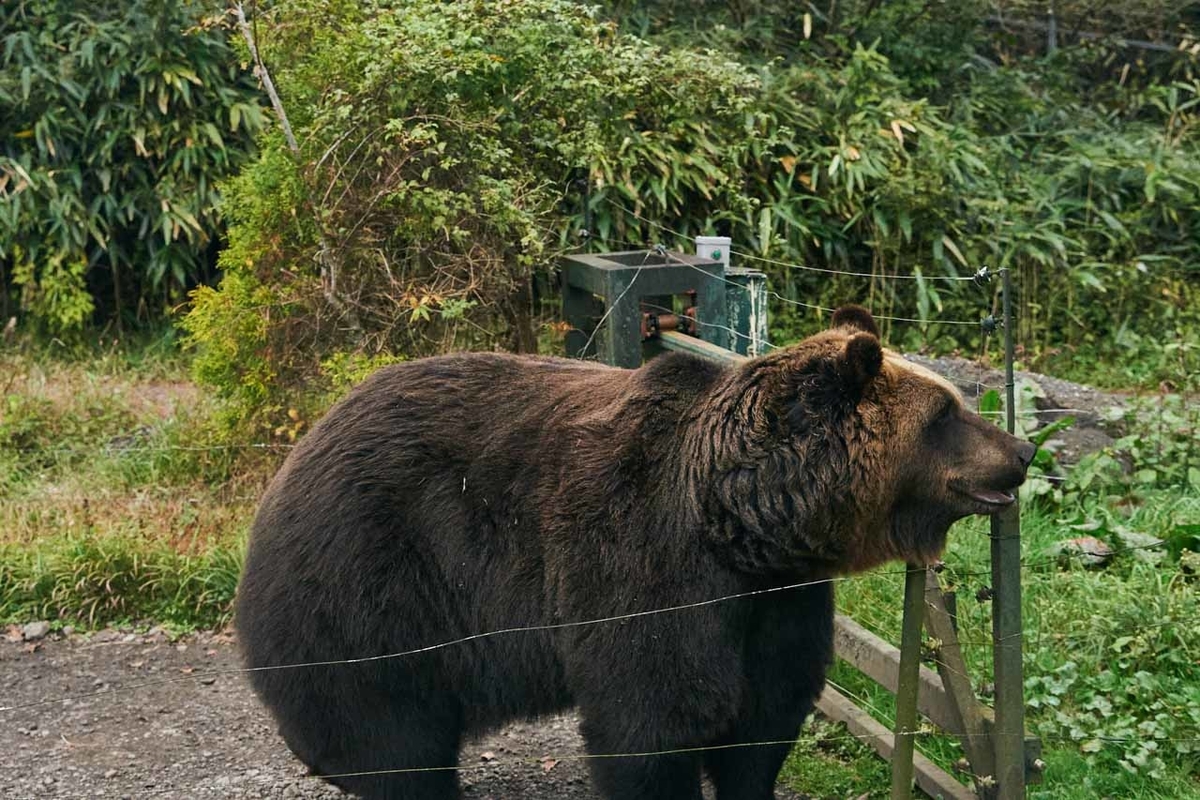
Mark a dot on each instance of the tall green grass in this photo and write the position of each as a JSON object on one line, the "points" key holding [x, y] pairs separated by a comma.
{"points": [[97, 579], [1112, 655]]}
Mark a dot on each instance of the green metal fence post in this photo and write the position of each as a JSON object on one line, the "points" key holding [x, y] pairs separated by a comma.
{"points": [[908, 683], [746, 302], [1009, 732]]}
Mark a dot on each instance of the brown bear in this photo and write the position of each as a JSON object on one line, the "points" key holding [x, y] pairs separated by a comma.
{"points": [[464, 494]]}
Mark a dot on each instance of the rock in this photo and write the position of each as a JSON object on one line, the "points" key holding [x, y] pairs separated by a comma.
{"points": [[35, 630], [1085, 550], [68, 630], [1076, 442], [1091, 408]]}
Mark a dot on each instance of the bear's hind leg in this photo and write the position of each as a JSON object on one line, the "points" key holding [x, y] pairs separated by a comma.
{"points": [[389, 751], [670, 776]]}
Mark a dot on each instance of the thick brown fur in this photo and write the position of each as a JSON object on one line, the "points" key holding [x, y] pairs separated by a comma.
{"points": [[464, 494]]}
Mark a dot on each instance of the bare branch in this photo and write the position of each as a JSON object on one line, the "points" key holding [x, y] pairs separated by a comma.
{"points": [[327, 258]]}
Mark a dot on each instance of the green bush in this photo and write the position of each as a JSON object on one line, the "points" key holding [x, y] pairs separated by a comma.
{"points": [[441, 147], [437, 143], [908, 138], [117, 120]]}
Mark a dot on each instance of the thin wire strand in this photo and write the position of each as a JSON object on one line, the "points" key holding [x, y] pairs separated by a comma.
{"points": [[789, 265], [731, 746], [608, 311], [814, 307], [432, 647], [826, 271], [925, 730]]}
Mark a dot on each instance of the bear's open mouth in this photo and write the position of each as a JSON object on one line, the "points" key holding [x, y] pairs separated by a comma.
{"points": [[991, 497], [987, 498]]}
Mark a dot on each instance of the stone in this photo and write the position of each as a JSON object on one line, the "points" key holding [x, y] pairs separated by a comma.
{"points": [[35, 630]]}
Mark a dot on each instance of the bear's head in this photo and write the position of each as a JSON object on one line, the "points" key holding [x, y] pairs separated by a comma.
{"points": [[846, 455]]}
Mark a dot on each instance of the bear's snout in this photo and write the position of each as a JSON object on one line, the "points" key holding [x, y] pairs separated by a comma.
{"points": [[991, 464], [1025, 453]]}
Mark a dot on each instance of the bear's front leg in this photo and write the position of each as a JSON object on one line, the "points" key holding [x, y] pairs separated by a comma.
{"points": [[788, 649], [666, 684], [674, 776]]}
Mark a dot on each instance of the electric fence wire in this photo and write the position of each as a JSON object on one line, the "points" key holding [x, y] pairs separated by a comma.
{"points": [[801, 304], [503, 631], [540, 762], [824, 309], [478, 636], [436, 646], [788, 264]]}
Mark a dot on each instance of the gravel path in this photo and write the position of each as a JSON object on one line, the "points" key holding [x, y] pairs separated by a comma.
{"points": [[204, 736]]}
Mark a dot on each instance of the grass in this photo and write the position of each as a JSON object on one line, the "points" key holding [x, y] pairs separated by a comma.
{"points": [[100, 578], [116, 504], [1112, 656]]}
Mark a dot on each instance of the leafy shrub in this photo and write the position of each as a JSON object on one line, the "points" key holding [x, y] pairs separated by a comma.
{"points": [[1159, 450], [1077, 172], [441, 146], [437, 143], [117, 122], [1137, 700]]}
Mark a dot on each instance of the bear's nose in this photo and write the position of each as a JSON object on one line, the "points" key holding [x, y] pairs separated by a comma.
{"points": [[1025, 453]]}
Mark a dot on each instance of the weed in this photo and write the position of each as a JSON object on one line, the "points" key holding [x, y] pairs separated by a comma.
{"points": [[1111, 661], [96, 579]]}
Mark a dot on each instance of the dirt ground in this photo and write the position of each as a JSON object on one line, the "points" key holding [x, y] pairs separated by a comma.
{"points": [[204, 735]]}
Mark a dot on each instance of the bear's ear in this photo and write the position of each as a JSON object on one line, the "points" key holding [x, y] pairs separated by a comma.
{"points": [[855, 318], [861, 361]]}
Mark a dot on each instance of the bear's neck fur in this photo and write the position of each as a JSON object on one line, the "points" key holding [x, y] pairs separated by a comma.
{"points": [[751, 475]]}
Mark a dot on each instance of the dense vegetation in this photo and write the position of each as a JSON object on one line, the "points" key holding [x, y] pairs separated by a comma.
{"points": [[447, 153], [117, 122]]}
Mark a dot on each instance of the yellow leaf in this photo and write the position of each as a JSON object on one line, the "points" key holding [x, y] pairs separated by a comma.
{"points": [[897, 132], [23, 134], [852, 153], [807, 26], [953, 248], [788, 163]]}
